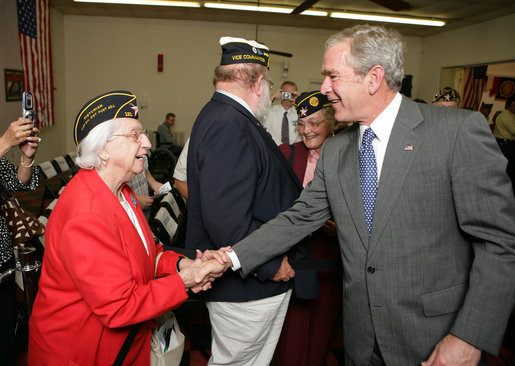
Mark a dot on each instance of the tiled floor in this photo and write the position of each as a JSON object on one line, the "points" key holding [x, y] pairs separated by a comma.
{"points": [[194, 320]]}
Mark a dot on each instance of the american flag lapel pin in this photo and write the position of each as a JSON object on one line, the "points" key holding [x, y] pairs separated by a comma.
{"points": [[408, 148]]}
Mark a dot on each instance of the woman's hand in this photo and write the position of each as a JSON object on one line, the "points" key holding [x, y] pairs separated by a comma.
{"points": [[17, 133], [30, 145], [197, 274]]}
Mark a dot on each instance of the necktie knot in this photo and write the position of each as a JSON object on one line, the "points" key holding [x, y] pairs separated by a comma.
{"points": [[368, 136]]}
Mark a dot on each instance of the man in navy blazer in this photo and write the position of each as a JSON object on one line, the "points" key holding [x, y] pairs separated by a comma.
{"points": [[429, 271], [237, 180]]}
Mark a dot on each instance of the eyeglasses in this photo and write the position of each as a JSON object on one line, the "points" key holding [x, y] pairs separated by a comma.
{"points": [[312, 125], [137, 136], [270, 83]]}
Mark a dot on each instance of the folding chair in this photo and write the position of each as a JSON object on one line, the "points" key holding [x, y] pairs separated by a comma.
{"points": [[181, 202], [170, 203], [176, 206], [47, 174], [164, 226], [44, 220], [63, 168], [70, 158]]}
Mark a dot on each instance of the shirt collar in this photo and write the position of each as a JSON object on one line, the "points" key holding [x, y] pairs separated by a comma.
{"points": [[383, 124], [237, 99]]}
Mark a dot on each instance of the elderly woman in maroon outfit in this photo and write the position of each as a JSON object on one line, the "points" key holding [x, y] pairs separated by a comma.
{"points": [[309, 324]]}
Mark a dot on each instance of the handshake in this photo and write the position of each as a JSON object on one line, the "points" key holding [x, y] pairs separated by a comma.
{"points": [[198, 274]]}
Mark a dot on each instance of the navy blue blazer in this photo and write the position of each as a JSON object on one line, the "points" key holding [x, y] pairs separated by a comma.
{"points": [[238, 179]]}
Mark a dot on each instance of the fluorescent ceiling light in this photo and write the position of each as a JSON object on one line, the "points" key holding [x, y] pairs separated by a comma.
{"points": [[384, 18], [266, 9], [315, 13], [187, 4]]}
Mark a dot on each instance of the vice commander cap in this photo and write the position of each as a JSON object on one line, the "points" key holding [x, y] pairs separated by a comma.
{"points": [[240, 50]]}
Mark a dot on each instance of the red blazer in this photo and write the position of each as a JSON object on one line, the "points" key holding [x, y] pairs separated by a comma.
{"points": [[97, 280]]}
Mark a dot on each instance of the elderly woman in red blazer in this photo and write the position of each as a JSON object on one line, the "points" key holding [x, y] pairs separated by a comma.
{"points": [[309, 324], [98, 269]]}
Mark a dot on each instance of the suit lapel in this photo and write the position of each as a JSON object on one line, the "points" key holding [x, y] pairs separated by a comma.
{"points": [[403, 145], [348, 172]]}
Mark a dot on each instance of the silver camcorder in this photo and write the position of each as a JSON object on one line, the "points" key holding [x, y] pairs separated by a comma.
{"points": [[285, 95]]}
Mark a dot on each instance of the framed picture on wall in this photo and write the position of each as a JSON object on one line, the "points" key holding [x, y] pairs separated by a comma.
{"points": [[503, 88], [13, 85]]}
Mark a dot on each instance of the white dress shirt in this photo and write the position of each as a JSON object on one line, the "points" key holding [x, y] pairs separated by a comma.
{"points": [[382, 127], [274, 122]]}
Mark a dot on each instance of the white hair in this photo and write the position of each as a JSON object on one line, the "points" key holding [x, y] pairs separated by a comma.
{"points": [[94, 142], [264, 105]]}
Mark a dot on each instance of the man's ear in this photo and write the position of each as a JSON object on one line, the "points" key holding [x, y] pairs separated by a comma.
{"points": [[375, 78], [256, 87]]}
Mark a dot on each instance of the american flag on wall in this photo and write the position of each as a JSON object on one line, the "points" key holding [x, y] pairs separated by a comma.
{"points": [[475, 80], [36, 56]]}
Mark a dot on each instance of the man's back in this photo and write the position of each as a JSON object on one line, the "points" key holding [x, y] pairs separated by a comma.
{"points": [[237, 180]]}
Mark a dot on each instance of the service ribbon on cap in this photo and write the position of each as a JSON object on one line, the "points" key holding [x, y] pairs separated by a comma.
{"points": [[310, 102], [240, 50], [111, 105]]}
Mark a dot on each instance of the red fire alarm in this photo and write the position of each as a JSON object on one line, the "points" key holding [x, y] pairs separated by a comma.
{"points": [[160, 63]]}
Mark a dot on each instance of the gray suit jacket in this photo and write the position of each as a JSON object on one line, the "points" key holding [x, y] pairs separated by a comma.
{"points": [[441, 257]]}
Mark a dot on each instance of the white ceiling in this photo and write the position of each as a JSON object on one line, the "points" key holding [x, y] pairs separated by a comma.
{"points": [[457, 13]]}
